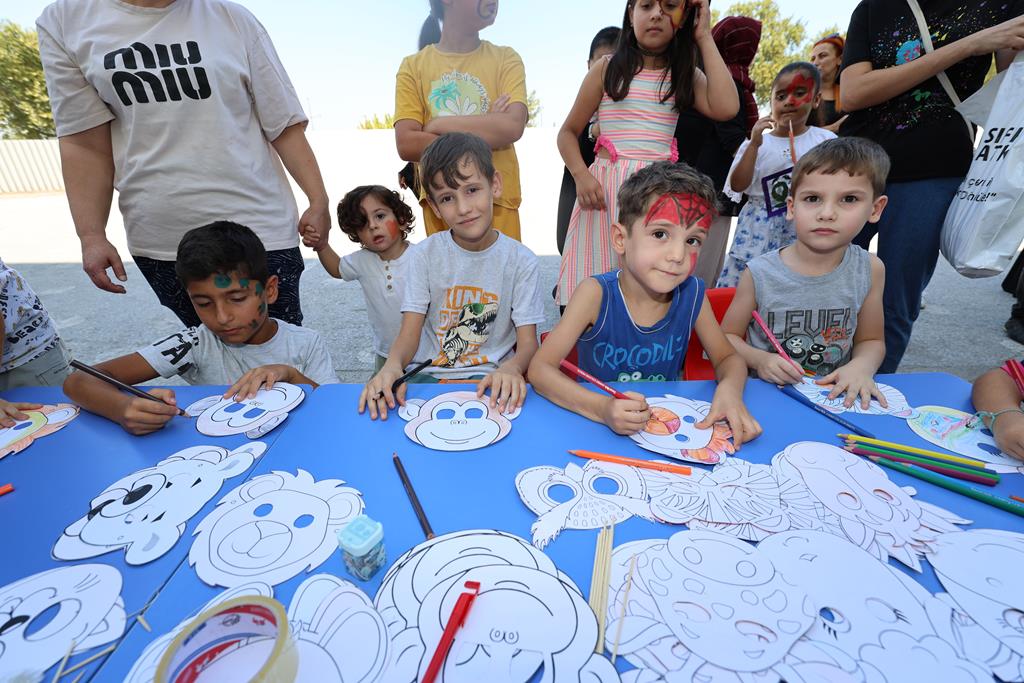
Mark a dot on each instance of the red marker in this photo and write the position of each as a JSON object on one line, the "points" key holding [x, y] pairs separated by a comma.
{"points": [[775, 342], [455, 622], [587, 377]]}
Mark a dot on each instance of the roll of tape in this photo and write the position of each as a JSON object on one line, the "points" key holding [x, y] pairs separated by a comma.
{"points": [[244, 639]]}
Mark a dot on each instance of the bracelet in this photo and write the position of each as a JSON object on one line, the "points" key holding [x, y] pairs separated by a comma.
{"points": [[992, 417]]}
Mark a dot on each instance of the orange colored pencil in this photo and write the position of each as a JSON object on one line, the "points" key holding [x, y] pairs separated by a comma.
{"points": [[634, 462], [6, 488], [1017, 498]]}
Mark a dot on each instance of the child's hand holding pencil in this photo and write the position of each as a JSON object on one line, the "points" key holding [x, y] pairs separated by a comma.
{"points": [[628, 415]]}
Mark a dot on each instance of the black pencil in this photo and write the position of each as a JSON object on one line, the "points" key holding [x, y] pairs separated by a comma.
{"points": [[411, 493], [135, 391], [398, 382]]}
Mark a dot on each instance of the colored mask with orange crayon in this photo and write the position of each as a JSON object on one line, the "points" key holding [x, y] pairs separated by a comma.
{"points": [[684, 210]]}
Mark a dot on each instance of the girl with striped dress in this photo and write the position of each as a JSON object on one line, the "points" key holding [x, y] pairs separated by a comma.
{"points": [[637, 94]]}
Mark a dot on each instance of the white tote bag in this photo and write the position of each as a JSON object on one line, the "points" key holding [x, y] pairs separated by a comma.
{"points": [[985, 223]]}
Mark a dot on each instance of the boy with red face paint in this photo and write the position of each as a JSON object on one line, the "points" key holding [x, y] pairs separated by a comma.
{"points": [[634, 323], [763, 168]]}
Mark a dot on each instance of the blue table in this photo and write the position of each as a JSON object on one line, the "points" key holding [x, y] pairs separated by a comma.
{"points": [[476, 489], [57, 477]]}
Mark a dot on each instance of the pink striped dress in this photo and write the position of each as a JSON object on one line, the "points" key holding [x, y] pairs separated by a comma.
{"points": [[636, 131]]}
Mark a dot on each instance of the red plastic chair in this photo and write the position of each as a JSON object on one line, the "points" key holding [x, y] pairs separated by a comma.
{"points": [[696, 365], [573, 357]]}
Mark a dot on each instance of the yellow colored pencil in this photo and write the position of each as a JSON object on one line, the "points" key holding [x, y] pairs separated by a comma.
{"points": [[912, 449]]}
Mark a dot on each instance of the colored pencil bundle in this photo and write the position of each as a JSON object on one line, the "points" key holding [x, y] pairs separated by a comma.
{"points": [[951, 485]]}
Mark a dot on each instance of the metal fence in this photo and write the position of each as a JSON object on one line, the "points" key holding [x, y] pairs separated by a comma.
{"points": [[30, 166]]}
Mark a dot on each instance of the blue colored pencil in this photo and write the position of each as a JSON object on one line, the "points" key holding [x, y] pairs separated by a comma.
{"points": [[790, 391]]}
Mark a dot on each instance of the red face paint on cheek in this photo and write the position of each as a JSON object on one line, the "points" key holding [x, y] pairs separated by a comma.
{"points": [[392, 226], [681, 209], [800, 82]]}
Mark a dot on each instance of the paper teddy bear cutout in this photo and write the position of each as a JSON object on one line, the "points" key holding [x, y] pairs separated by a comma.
{"points": [[145, 513]]}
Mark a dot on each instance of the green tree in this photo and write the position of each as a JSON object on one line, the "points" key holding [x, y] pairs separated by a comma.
{"points": [[24, 104], [377, 123], [533, 109]]}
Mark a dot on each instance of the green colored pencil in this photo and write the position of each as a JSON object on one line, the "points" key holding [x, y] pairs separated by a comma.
{"points": [[978, 472], [951, 485]]}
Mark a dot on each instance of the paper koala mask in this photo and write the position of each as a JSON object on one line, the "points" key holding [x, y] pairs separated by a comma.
{"points": [[145, 513]]}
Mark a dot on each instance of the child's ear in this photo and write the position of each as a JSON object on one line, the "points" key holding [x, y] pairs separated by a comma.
{"points": [[877, 208], [270, 289], [789, 206], [433, 206], [496, 185], [619, 238]]}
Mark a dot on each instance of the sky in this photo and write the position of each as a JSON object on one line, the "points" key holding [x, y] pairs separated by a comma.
{"points": [[342, 55]]}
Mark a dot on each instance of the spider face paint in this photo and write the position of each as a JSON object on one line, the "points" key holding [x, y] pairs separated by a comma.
{"points": [[681, 209]]}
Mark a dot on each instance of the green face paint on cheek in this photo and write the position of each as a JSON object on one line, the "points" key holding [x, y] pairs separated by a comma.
{"points": [[221, 281], [244, 282], [259, 288], [263, 307]]}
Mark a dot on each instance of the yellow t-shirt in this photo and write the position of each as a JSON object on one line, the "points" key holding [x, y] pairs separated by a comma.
{"points": [[432, 83]]}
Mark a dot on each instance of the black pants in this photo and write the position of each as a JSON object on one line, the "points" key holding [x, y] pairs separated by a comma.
{"points": [[286, 264]]}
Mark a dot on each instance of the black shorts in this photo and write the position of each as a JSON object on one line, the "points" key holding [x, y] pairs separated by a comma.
{"points": [[286, 264]]}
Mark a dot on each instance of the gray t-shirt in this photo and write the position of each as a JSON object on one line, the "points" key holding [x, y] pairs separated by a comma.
{"points": [[473, 302], [200, 357], [814, 318], [194, 93]]}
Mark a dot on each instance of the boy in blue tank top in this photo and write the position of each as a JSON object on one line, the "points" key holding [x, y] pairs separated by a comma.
{"points": [[634, 323], [821, 297]]}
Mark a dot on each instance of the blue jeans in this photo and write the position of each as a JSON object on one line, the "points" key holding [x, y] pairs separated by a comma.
{"points": [[908, 245]]}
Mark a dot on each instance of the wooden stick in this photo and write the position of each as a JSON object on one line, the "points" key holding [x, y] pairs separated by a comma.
{"points": [[142, 622], [64, 661], [622, 612], [90, 660]]}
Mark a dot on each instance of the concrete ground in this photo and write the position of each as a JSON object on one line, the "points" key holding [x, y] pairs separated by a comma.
{"points": [[960, 331]]}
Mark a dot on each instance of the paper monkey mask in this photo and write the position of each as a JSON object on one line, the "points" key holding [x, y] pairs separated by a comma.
{"points": [[41, 422], [456, 421], [146, 512], [255, 416]]}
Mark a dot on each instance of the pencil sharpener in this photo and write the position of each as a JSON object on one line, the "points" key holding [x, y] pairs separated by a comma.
{"points": [[362, 547]]}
